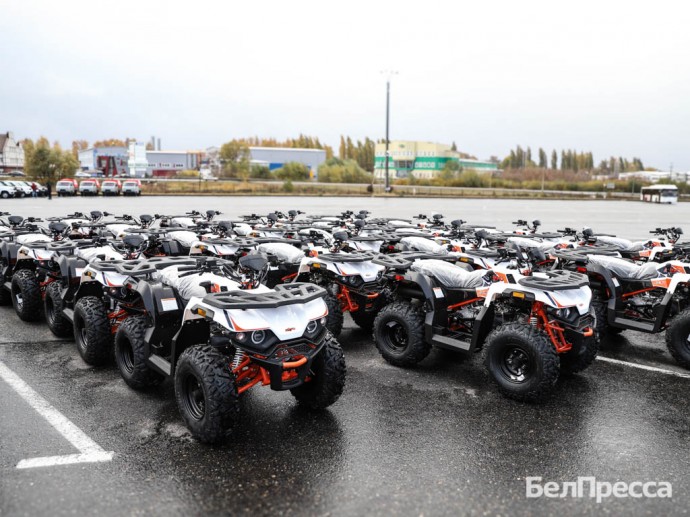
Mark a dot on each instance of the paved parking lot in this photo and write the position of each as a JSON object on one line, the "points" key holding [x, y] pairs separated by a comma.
{"points": [[434, 440]]}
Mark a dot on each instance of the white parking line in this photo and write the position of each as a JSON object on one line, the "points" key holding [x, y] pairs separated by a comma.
{"points": [[90, 451], [644, 367]]}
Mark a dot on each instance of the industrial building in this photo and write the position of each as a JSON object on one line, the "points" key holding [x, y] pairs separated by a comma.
{"points": [[118, 161], [11, 153], [423, 160], [276, 157]]}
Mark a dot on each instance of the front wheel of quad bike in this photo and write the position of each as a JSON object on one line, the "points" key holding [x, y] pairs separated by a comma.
{"points": [[522, 362], [206, 393], [678, 338], [399, 334], [92, 331], [327, 377], [26, 295], [130, 355], [52, 307], [334, 320]]}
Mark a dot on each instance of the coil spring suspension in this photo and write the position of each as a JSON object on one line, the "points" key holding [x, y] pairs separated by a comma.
{"points": [[534, 321], [237, 359]]}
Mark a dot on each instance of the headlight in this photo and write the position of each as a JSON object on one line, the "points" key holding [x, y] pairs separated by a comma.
{"points": [[314, 327], [569, 314], [258, 337]]}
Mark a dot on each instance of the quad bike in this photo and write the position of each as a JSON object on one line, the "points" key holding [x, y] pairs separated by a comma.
{"points": [[223, 340], [531, 327], [353, 282], [653, 250], [91, 307], [650, 298], [21, 255], [284, 256]]}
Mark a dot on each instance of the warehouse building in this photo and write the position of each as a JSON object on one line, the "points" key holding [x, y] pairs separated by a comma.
{"points": [[423, 160], [276, 157]]}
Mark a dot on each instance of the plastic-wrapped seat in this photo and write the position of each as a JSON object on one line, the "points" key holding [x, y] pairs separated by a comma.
{"points": [[32, 237], [188, 286], [283, 251], [624, 269], [532, 243], [449, 274], [118, 230], [424, 245], [621, 244], [91, 254], [186, 239]]}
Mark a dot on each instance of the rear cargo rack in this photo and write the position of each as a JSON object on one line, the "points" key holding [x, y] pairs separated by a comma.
{"points": [[286, 294], [555, 281]]}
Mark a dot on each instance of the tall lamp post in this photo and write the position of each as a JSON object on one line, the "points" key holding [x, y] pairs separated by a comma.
{"points": [[389, 74]]}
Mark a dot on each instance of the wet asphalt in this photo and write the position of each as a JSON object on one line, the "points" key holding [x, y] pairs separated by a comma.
{"points": [[434, 440]]}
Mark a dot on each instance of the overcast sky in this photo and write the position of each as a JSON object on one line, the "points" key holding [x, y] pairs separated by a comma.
{"points": [[607, 76]]}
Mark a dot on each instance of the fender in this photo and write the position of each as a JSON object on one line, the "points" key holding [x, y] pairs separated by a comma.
{"points": [[433, 317], [192, 332], [92, 288], [484, 323], [665, 306]]}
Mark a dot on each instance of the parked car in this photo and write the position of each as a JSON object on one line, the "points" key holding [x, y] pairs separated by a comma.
{"points": [[22, 187], [111, 187], [18, 174], [89, 187], [66, 187], [131, 187], [7, 190]]}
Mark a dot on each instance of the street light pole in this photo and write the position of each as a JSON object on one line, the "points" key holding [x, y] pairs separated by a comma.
{"points": [[388, 107]]}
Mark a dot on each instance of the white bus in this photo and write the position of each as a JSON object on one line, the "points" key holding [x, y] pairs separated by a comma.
{"points": [[660, 194]]}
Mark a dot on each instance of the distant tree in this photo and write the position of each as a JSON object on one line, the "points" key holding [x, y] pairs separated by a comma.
{"points": [[110, 142], [79, 145], [543, 160], [292, 171], [342, 150], [234, 156], [260, 172], [554, 159], [453, 147], [343, 171]]}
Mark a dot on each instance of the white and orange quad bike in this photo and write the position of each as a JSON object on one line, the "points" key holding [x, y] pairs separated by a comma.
{"points": [[532, 328], [658, 249], [284, 255], [218, 337], [651, 297], [353, 283], [25, 264]]}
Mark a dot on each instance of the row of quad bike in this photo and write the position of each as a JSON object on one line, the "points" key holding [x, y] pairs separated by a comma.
{"points": [[221, 305]]}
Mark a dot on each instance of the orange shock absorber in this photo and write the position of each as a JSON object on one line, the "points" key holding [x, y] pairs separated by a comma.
{"points": [[555, 332]]}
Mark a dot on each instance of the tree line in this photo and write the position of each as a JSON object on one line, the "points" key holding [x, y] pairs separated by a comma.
{"points": [[570, 160]]}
